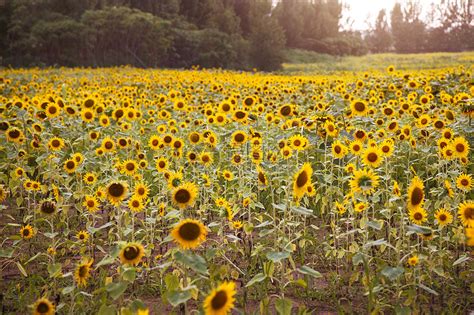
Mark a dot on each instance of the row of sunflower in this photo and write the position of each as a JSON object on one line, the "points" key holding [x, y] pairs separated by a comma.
{"points": [[153, 191]]}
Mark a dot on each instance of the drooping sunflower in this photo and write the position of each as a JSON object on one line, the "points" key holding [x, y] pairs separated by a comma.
{"points": [[416, 195], [131, 253], [262, 178], [359, 107], [418, 215], [43, 306], [47, 207], [185, 195], [189, 233], [464, 182], [82, 272], [466, 213], [364, 181], [221, 299], [396, 189], [372, 157], [27, 232], [301, 180], [116, 192], [449, 189], [443, 217]]}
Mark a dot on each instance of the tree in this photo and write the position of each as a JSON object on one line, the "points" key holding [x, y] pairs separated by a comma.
{"points": [[380, 38]]}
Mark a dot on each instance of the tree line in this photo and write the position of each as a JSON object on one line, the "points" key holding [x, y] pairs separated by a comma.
{"points": [[239, 34]]}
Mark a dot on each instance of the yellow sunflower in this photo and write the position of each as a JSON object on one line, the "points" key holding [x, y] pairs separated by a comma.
{"points": [[55, 144], [116, 192], [416, 195], [364, 181], [466, 213], [27, 232], [189, 233], [82, 236], [338, 149], [43, 306], [359, 107], [91, 203], [372, 156], [82, 272], [418, 215], [136, 204], [131, 253], [221, 299], [184, 195], [129, 167], [464, 182], [443, 217], [301, 180]]}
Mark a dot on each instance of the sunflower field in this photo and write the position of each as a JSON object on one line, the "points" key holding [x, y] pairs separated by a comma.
{"points": [[135, 191]]}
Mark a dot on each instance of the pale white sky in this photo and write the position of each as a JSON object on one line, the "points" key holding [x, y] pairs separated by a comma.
{"points": [[360, 10]]}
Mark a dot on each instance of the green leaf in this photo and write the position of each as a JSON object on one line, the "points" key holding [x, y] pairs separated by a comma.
{"points": [[461, 260], [22, 270], [301, 210], [171, 281], [277, 256], [67, 290], [6, 253], [193, 261], [259, 277], [418, 229], [377, 225], [54, 270], [177, 297], [129, 275], [310, 271], [357, 259], [107, 260], [392, 273], [376, 243], [116, 289], [424, 287], [107, 310], [283, 306], [281, 207]]}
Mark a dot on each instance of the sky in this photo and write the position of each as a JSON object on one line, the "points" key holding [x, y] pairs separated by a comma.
{"points": [[361, 9]]}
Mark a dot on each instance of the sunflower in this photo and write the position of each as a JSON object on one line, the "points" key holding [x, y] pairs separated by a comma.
{"points": [[356, 147], [131, 253], [461, 147], [70, 166], [360, 206], [206, 158], [338, 149], [87, 115], [108, 145], [129, 167], [136, 204], [14, 135], [396, 189], [3, 193], [221, 299], [141, 190], [184, 195], [387, 148], [91, 203], [364, 181], [162, 164], [301, 180], [189, 233], [116, 192], [238, 138], [413, 261], [89, 178], [464, 182], [372, 156], [194, 137], [262, 177], [228, 175], [359, 108], [418, 215], [82, 272], [416, 194], [82, 236], [443, 217], [55, 144], [47, 207], [298, 142], [240, 116], [466, 213], [27, 232], [43, 306], [52, 110]]}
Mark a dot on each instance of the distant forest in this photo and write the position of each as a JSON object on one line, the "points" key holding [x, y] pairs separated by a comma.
{"points": [[238, 34]]}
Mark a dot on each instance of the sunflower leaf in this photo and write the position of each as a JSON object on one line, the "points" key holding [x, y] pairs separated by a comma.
{"points": [[283, 306], [309, 271], [116, 289], [259, 277], [177, 297], [277, 256], [193, 261]]}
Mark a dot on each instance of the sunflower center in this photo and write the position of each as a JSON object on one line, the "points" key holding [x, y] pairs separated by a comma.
{"points": [[55, 143], [130, 166], [52, 110], [297, 143], [90, 203], [14, 133], [141, 191], [108, 145], [385, 149], [469, 213], [182, 196], [372, 157], [135, 203], [131, 252], [239, 137], [189, 231], [161, 164], [237, 159], [48, 207], [70, 165], [116, 189], [26, 232], [219, 300], [261, 177], [359, 106], [460, 147], [464, 182], [42, 308], [302, 179], [285, 110], [88, 115], [365, 182], [194, 137], [416, 196], [337, 149], [442, 217], [205, 158], [240, 114], [418, 216], [82, 271]]}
